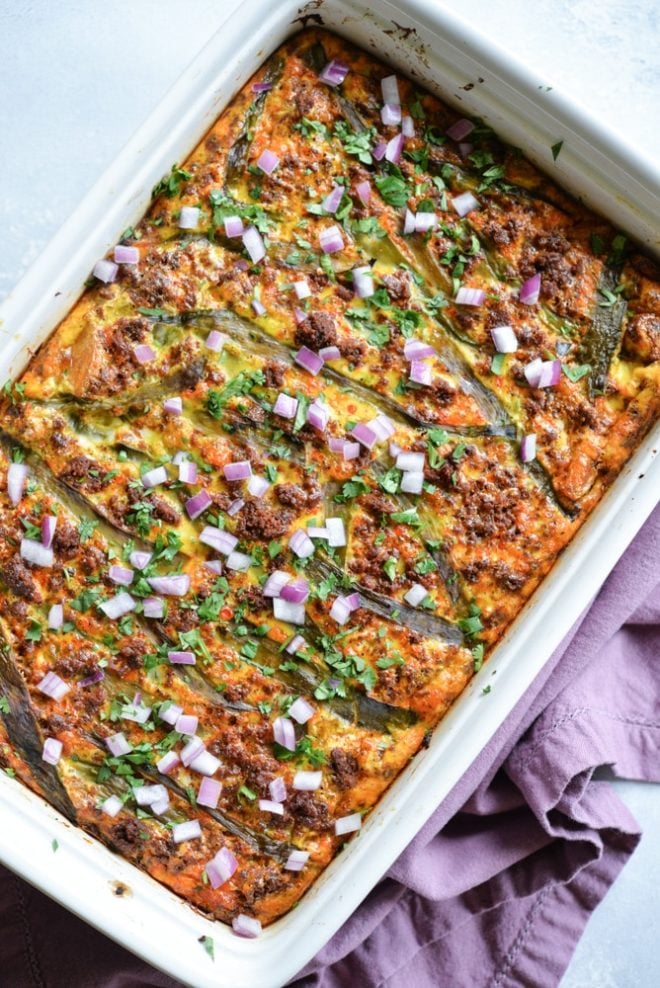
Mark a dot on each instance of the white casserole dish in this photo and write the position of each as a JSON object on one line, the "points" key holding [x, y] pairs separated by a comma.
{"points": [[444, 54]]}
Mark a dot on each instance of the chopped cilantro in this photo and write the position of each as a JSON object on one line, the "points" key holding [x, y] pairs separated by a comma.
{"points": [[170, 185]]}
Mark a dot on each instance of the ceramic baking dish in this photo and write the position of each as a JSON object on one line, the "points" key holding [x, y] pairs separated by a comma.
{"points": [[427, 42]]}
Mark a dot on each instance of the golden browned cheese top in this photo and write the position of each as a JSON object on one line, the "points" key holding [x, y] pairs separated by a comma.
{"points": [[273, 491]]}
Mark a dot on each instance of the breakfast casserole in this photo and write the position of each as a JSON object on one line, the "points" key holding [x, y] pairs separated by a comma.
{"points": [[313, 434]]}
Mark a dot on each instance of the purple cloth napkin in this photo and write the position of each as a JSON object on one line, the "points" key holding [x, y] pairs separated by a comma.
{"points": [[499, 884]]}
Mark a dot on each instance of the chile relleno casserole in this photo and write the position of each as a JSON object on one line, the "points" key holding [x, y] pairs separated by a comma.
{"points": [[282, 478]]}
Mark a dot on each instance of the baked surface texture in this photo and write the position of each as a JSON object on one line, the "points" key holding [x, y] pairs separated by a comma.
{"points": [[289, 499]]}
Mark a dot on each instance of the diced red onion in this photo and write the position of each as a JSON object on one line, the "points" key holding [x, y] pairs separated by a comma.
{"points": [[425, 222], [363, 281], [348, 824], [36, 554], [144, 353], [56, 617], [150, 794], [284, 610], [220, 540], [364, 435], [504, 339], [48, 526], [302, 289], [550, 374], [532, 371], [117, 745], [188, 472], [340, 610], [297, 860], [307, 781], [417, 350], [246, 926], [238, 562], [415, 595], [173, 406], [259, 307], [363, 190], [379, 150], [105, 271], [17, 476], [277, 789], [257, 486], [316, 532], [528, 448], [52, 751], [214, 565], [270, 806], [189, 218], [181, 658], [205, 764], [186, 724], [152, 478], [331, 239], [238, 470], [465, 149], [221, 868], [170, 714], [334, 73], [331, 202], [191, 750], [286, 406], [408, 223], [254, 245], [267, 161], [295, 592], [460, 129], [118, 606], [261, 87], [120, 575], [382, 426], [394, 149], [124, 254], [390, 89], [284, 733], [408, 126], [161, 806], [410, 461], [354, 601], [336, 532], [420, 372], [198, 504], [111, 806], [329, 353], [177, 585], [236, 505], [318, 415], [351, 451], [394, 448], [412, 482], [215, 341], [301, 710], [530, 290], [296, 643], [233, 226], [209, 792], [390, 114], [273, 585], [168, 762], [470, 296], [301, 544], [153, 607], [299, 315], [189, 830], [465, 203]]}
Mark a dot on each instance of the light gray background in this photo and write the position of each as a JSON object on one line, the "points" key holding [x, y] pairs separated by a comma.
{"points": [[78, 76]]}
